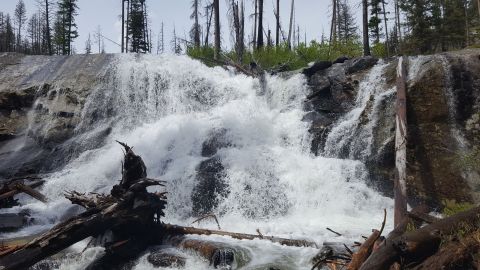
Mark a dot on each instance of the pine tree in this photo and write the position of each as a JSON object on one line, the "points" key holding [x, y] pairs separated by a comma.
{"points": [[375, 21], [20, 19], [137, 27], [67, 10], [347, 27]]}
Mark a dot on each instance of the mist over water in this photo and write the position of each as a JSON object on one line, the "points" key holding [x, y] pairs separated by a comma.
{"points": [[165, 107]]}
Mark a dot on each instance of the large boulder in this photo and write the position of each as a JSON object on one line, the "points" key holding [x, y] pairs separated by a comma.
{"points": [[210, 186]]}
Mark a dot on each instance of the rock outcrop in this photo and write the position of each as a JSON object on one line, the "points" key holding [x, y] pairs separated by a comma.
{"points": [[444, 123], [44, 96]]}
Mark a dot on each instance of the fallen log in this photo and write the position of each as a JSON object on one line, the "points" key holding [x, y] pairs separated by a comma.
{"points": [[16, 186], [454, 255], [128, 213], [171, 229], [415, 246], [359, 257], [364, 251]]}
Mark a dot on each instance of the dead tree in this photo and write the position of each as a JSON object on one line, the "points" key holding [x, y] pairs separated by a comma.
{"points": [[216, 9], [277, 27], [129, 212], [290, 28], [366, 40], [260, 25], [400, 192]]}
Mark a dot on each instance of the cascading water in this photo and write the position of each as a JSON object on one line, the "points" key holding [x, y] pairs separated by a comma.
{"points": [[167, 106]]}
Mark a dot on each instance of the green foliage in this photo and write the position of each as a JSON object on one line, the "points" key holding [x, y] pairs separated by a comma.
{"points": [[271, 57], [451, 207], [379, 50]]}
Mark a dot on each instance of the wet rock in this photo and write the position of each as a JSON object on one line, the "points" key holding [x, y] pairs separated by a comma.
{"points": [[320, 127], [12, 222], [360, 64], [210, 186], [48, 264], [340, 60], [223, 258], [216, 140], [317, 66], [166, 258]]}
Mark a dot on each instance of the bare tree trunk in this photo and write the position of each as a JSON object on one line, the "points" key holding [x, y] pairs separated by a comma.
{"points": [[216, 8], [289, 41], [386, 27], [366, 41], [209, 12], [242, 30], [197, 30], [128, 18], [333, 26], [467, 30], [277, 29], [478, 6], [255, 15], [47, 17], [123, 26], [260, 25], [400, 192]]}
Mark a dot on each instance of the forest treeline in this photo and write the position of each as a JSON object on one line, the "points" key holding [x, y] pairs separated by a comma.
{"points": [[387, 28]]}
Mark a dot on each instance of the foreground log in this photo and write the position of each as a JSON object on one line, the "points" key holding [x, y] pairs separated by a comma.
{"points": [[459, 254], [129, 213], [364, 251], [417, 245], [16, 186]]}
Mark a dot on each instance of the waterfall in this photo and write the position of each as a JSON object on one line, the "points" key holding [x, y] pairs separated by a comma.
{"points": [[166, 107]]}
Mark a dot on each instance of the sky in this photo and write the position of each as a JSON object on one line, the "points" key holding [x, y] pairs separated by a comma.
{"points": [[311, 15]]}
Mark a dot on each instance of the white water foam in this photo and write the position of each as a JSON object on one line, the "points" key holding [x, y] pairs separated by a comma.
{"points": [[166, 107]]}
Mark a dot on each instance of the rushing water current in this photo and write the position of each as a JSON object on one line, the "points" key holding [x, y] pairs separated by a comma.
{"points": [[167, 106]]}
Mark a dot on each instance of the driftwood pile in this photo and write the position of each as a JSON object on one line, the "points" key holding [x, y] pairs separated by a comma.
{"points": [[131, 218], [419, 241]]}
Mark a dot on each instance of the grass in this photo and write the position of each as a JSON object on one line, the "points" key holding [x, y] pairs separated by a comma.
{"points": [[271, 57]]}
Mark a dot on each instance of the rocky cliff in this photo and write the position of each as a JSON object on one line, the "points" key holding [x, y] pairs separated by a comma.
{"points": [[443, 123]]}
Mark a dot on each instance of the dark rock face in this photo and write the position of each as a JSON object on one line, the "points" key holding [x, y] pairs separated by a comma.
{"points": [[41, 102], [333, 90], [360, 64], [223, 258], [443, 96], [440, 102], [210, 187], [217, 139], [317, 66]]}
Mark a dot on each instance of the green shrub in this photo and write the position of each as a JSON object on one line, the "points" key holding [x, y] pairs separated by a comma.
{"points": [[451, 207], [271, 57]]}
